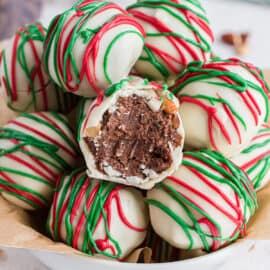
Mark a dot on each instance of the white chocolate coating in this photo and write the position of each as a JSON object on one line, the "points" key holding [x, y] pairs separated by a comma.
{"points": [[101, 51], [177, 33], [123, 210], [24, 84], [129, 87], [216, 114], [35, 150], [206, 203], [83, 108], [255, 159]]}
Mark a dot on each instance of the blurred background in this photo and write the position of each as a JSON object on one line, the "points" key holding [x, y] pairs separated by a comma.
{"points": [[246, 21]]}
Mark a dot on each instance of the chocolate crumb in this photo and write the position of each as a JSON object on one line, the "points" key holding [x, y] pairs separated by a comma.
{"points": [[134, 139]]}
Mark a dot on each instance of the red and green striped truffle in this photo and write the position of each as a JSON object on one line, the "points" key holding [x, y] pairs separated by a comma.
{"points": [[255, 158], [91, 46], [99, 218], [35, 149], [205, 204], [223, 104], [177, 33], [24, 84], [132, 134]]}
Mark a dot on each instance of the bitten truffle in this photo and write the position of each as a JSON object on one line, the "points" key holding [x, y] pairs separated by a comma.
{"points": [[177, 33], [133, 134]]}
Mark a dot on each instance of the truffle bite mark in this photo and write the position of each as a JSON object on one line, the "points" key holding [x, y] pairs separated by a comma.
{"points": [[135, 139]]}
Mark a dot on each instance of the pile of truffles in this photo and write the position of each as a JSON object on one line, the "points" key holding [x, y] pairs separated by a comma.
{"points": [[169, 146]]}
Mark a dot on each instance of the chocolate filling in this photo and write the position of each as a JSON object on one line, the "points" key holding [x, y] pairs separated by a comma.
{"points": [[134, 139]]}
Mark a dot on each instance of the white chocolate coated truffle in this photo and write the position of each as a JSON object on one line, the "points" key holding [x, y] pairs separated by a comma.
{"points": [[177, 33], [91, 46], [255, 159], [133, 135], [35, 149], [222, 104], [205, 204], [25, 86], [97, 217]]}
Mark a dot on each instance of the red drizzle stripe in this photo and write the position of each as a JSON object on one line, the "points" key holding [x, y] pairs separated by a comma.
{"points": [[44, 136]]}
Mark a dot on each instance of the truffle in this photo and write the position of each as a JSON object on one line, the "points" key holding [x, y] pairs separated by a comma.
{"points": [[91, 46], [97, 217], [24, 84], [133, 134], [35, 149], [177, 33], [205, 204], [255, 159], [223, 103]]}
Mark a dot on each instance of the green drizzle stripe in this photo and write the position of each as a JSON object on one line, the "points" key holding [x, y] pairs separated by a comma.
{"points": [[80, 31], [198, 71], [231, 176], [263, 165], [68, 189], [170, 8]]}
